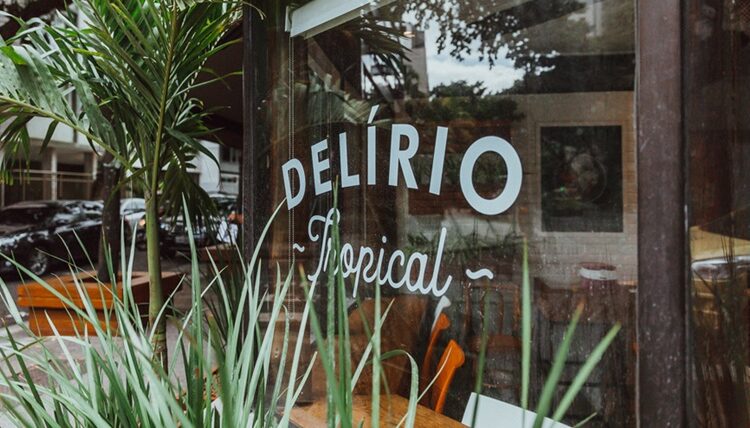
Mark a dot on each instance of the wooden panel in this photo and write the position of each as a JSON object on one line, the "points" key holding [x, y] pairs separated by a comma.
{"points": [[66, 323], [45, 306], [32, 294], [662, 362]]}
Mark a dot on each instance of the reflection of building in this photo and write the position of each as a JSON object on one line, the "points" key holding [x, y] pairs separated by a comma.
{"points": [[69, 168], [417, 57], [66, 169], [229, 163], [222, 177]]}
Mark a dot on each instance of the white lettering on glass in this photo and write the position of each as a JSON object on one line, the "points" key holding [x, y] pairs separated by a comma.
{"points": [[293, 164], [508, 196], [320, 165], [389, 273], [346, 179], [438, 159], [400, 159], [371, 140], [396, 269]]}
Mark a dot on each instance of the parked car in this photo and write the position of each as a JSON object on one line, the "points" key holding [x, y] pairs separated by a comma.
{"points": [[207, 231], [39, 233], [132, 211], [720, 253], [165, 237]]}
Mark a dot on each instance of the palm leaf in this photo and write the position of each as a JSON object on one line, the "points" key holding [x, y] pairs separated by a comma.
{"points": [[132, 65]]}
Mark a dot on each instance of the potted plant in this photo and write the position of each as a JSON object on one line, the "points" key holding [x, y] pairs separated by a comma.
{"points": [[132, 66]]}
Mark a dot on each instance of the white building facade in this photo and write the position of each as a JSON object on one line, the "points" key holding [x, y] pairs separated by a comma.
{"points": [[68, 168]]}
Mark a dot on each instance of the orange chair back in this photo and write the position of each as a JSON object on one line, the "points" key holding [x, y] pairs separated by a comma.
{"points": [[426, 374], [453, 358]]}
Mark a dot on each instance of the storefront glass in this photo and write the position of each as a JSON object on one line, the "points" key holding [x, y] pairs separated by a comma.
{"points": [[455, 131], [718, 138]]}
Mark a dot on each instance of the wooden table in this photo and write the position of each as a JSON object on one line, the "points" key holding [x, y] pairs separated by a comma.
{"points": [[392, 409]]}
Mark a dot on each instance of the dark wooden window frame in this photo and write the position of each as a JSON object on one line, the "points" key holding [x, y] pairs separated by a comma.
{"points": [[662, 382], [662, 388]]}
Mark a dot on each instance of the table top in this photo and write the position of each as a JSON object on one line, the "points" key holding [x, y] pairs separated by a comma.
{"points": [[392, 409]]}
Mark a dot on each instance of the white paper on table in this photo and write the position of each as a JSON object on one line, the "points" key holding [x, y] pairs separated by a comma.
{"points": [[494, 413]]}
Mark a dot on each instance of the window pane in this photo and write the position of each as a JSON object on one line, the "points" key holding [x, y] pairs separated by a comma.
{"points": [[455, 131], [718, 137]]}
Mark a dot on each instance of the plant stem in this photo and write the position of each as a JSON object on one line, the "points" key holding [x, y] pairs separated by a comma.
{"points": [[156, 294], [156, 297], [110, 242], [376, 362]]}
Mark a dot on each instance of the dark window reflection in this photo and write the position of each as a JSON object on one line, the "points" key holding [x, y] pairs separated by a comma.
{"points": [[717, 36], [582, 179]]}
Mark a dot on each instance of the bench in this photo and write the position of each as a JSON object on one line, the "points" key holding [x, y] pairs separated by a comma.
{"points": [[43, 303]]}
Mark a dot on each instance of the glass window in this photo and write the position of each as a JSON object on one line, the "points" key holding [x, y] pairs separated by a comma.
{"points": [[455, 131], [717, 86]]}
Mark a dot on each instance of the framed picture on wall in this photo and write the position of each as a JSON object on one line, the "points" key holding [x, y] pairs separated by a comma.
{"points": [[582, 178]]}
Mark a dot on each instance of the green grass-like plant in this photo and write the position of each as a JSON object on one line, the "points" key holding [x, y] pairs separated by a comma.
{"points": [[117, 383], [133, 66], [222, 373]]}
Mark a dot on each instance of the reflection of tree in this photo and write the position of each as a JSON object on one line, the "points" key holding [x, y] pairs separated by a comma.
{"points": [[324, 104], [381, 39], [491, 31], [488, 27], [472, 112], [320, 103], [463, 100]]}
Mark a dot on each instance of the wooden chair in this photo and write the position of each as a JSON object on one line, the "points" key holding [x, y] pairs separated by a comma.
{"points": [[426, 373], [407, 310], [453, 358]]}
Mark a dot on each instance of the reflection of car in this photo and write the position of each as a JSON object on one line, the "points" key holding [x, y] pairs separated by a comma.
{"points": [[721, 248], [35, 233], [132, 211], [720, 265]]}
